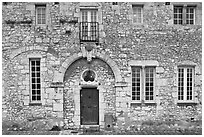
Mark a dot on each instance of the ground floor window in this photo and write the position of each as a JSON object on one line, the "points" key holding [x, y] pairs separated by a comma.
{"points": [[143, 83], [35, 82], [185, 83]]}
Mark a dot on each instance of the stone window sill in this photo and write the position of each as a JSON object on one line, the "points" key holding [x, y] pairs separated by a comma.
{"points": [[141, 103], [35, 104], [186, 103]]}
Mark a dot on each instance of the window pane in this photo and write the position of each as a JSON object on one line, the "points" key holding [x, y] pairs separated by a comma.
{"points": [[149, 83], [41, 14], [33, 97], [33, 74], [35, 82], [38, 80], [136, 83], [38, 74], [38, 97], [137, 14], [189, 83], [178, 15], [180, 83]]}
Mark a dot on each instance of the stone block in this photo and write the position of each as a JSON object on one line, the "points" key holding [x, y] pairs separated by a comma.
{"points": [[25, 92], [38, 40], [25, 82], [57, 107], [58, 77], [161, 82], [58, 96], [24, 71], [198, 80], [159, 70]]}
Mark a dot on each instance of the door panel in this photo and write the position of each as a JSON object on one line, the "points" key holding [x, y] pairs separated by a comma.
{"points": [[89, 106]]}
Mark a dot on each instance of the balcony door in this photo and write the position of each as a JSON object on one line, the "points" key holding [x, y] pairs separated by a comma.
{"points": [[89, 26]]}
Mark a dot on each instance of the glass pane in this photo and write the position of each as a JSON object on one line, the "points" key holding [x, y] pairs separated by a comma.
{"points": [[38, 63], [38, 80], [38, 68], [38, 97], [33, 97], [32, 63], [33, 92], [38, 74], [33, 75], [38, 92], [33, 80], [38, 86], [33, 86]]}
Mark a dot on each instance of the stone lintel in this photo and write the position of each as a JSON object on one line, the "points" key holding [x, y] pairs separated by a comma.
{"points": [[186, 63], [143, 63]]}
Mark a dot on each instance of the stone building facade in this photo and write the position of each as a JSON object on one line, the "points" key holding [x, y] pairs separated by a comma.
{"points": [[111, 64]]}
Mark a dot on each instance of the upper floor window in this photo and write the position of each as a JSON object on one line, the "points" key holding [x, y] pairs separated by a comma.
{"points": [[185, 83], [184, 14], [35, 82], [137, 14], [143, 83], [89, 31], [114, 3], [40, 14]]}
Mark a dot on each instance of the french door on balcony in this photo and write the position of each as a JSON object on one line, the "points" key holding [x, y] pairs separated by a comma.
{"points": [[89, 25]]}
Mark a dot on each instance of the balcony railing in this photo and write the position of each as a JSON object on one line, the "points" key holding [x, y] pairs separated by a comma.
{"points": [[89, 32]]}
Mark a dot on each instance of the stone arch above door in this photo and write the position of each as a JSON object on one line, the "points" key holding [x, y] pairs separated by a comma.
{"points": [[59, 75]]}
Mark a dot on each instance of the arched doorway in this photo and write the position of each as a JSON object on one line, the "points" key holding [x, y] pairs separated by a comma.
{"points": [[89, 92]]}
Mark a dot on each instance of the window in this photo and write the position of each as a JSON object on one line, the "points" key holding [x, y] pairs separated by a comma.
{"points": [[185, 83], [184, 14], [190, 15], [137, 14], [114, 3], [149, 83], [143, 83], [89, 26], [40, 14], [136, 83], [35, 80]]}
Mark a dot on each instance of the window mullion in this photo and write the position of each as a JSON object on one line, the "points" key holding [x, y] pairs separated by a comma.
{"points": [[184, 14], [185, 84], [143, 83]]}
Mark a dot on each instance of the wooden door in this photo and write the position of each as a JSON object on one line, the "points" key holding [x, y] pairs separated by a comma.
{"points": [[89, 106]]}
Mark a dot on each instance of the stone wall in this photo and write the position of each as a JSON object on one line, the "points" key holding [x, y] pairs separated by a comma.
{"points": [[156, 39]]}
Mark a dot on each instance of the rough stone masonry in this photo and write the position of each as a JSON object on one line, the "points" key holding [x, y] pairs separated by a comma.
{"points": [[156, 42]]}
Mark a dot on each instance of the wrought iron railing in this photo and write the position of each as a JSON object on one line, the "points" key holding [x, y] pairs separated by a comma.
{"points": [[89, 32]]}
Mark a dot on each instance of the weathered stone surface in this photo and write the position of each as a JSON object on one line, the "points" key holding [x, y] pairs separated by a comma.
{"points": [[157, 42]]}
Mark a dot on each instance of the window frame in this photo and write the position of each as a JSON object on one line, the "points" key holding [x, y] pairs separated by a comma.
{"points": [[185, 84], [194, 10], [143, 84], [142, 13], [36, 14], [88, 14], [136, 101], [184, 14], [154, 87], [30, 78], [89, 29]]}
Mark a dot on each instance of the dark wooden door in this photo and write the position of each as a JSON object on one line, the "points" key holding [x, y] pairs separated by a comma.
{"points": [[89, 106]]}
